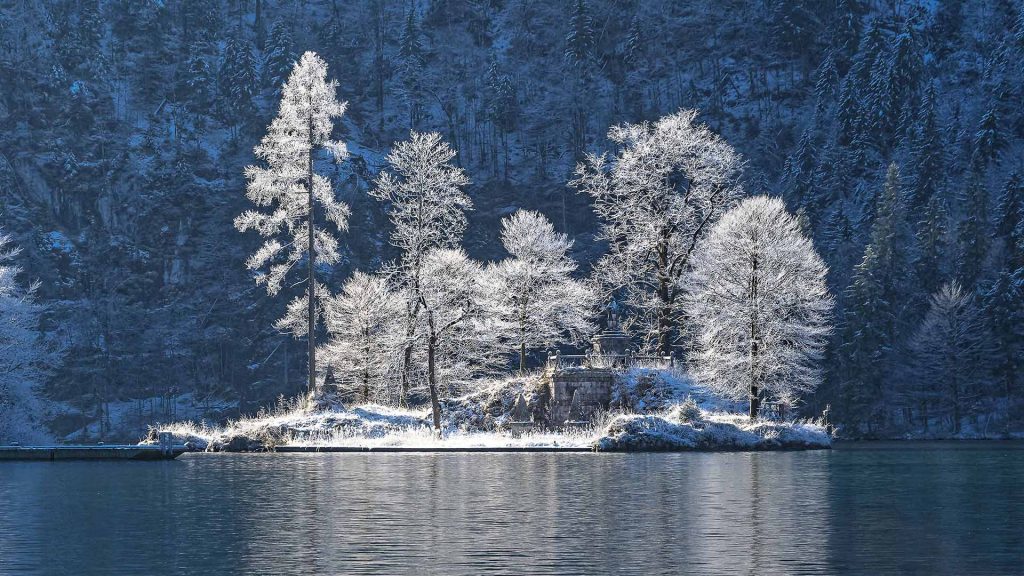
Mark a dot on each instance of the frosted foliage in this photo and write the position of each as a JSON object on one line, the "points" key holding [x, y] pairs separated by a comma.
{"points": [[757, 280], [949, 349], [362, 351], [280, 188], [537, 301], [425, 192], [23, 353], [656, 199], [454, 299]]}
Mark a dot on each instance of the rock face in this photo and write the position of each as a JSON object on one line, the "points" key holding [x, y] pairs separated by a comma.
{"points": [[592, 386]]}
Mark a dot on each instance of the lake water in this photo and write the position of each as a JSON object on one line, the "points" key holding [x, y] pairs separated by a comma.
{"points": [[926, 508]]}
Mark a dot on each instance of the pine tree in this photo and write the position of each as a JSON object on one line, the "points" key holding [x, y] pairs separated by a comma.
{"points": [[927, 154], [199, 84], [989, 141], [411, 56], [875, 319], [280, 58], [290, 185], [973, 232], [933, 246], [826, 82], [579, 42], [1003, 307], [237, 80], [800, 185], [845, 31], [948, 352], [633, 51]]}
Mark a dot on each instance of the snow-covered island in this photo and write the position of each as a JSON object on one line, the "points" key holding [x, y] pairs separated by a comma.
{"points": [[648, 410]]}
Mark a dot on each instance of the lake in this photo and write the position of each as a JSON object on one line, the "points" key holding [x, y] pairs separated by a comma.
{"points": [[912, 507]]}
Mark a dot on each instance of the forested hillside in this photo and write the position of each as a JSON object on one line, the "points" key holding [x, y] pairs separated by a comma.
{"points": [[893, 128]]}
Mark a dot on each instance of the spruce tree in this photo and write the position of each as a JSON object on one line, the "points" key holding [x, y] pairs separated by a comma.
{"points": [[237, 80], [1003, 307], [927, 154], [579, 43], [973, 232], [826, 82], [933, 246], [989, 141], [280, 57], [411, 56], [876, 302]]}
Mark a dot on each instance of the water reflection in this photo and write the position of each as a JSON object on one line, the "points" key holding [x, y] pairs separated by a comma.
{"points": [[930, 511]]}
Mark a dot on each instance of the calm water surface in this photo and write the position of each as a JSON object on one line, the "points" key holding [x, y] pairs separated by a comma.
{"points": [[925, 508]]}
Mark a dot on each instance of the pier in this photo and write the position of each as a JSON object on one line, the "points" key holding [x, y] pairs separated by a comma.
{"points": [[165, 450]]}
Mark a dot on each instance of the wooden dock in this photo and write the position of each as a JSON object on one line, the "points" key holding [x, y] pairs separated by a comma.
{"points": [[430, 449], [165, 450]]}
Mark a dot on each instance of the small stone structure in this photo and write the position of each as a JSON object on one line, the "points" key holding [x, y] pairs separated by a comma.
{"points": [[521, 419], [580, 385], [590, 387]]}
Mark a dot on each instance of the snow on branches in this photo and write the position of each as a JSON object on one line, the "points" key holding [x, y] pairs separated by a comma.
{"points": [[361, 320], [427, 207], [24, 355], [303, 125], [759, 305], [535, 297], [657, 199]]}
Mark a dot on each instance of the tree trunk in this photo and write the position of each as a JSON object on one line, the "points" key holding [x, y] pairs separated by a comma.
{"points": [[522, 358], [311, 321], [665, 314], [435, 405], [755, 399]]}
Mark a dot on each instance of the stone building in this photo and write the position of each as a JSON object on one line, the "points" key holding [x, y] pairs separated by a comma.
{"points": [[579, 386]]}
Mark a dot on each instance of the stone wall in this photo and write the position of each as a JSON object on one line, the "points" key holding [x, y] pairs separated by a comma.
{"points": [[594, 386]]}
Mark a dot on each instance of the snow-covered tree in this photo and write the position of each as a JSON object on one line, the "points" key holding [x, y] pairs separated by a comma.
{"points": [[537, 300], [23, 353], [427, 205], [948, 351], [454, 301], [237, 80], [363, 323], [291, 191], [1003, 307], [663, 192], [279, 56], [759, 305]]}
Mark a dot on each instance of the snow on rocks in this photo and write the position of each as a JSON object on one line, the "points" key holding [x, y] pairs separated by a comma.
{"points": [[652, 410], [686, 427]]}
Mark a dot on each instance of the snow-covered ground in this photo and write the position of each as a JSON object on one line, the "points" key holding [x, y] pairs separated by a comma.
{"points": [[651, 410]]}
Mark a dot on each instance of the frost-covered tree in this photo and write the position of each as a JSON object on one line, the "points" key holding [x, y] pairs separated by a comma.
{"points": [[363, 321], [666, 188], [928, 163], [289, 187], [948, 351], [279, 57], [538, 301], [454, 301], [427, 205], [411, 59], [23, 353], [933, 246], [237, 80], [759, 305], [1003, 307]]}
